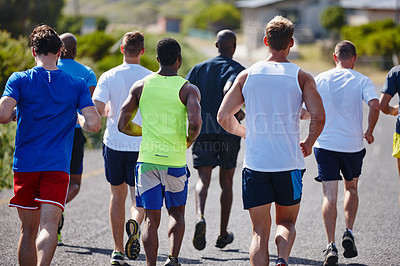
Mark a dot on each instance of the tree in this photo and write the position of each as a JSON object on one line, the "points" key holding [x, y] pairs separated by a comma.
{"points": [[217, 17], [20, 17], [333, 18]]}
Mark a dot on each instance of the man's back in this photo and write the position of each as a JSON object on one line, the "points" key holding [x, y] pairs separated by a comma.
{"points": [[47, 103], [113, 87], [76, 69], [210, 77], [342, 91], [164, 121], [273, 100]]}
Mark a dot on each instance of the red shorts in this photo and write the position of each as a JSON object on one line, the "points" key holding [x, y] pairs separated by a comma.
{"points": [[33, 188]]}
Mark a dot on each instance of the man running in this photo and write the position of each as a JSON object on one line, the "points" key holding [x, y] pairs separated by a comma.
{"points": [[340, 147], [273, 91], [68, 64], [46, 100], [120, 151], [215, 147], [166, 102], [391, 87]]}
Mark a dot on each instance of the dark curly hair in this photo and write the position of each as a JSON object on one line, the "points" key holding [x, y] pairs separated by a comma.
{"points": [[44, 40], [168, 51]]}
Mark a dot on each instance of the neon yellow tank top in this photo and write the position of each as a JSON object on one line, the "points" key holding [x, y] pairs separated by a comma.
{"points": [[164, 119]]}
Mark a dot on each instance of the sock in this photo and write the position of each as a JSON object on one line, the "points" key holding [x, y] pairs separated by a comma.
{"points": [[333, 244]]}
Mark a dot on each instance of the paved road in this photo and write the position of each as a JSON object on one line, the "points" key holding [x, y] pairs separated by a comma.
{"points": [[88, 240]]}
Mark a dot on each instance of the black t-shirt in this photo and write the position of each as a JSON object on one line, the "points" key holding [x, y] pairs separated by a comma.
{"points": [[391, 87], [210, 77]]}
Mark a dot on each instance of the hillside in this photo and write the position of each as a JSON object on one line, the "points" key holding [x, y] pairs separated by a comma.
{"points": [[140, 12]]}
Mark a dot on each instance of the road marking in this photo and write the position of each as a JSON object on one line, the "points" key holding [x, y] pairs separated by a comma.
{"points": [[84, 176]]}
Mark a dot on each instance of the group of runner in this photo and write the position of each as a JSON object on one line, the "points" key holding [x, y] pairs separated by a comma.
{"points": [[152, 118]]}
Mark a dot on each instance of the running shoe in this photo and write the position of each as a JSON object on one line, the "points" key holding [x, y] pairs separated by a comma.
{"points": [[281, 262], [60, 226], [223, 241], [199, 239], [331, 255], [132, 246], [350, 250], [172, 261], [117, 258]]}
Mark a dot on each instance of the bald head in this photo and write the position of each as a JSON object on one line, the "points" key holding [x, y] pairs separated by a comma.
{"points": [[226, 43], [70, 43]]}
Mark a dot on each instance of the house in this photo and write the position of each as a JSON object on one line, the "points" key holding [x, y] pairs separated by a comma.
{"points": [[304, 13], [364, 11], [306, 16]]}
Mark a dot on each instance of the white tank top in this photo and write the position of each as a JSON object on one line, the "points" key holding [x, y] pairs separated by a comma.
{"points": [[273, 100]]}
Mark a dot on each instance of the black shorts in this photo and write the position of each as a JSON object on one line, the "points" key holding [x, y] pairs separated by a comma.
{"points": [[76, 166], [261, 188], [331, 163], [120, 166], [216, 150]]}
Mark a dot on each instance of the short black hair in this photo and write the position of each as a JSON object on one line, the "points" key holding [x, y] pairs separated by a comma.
{"points": [[44, 40], [168, 51], [345, 50]]}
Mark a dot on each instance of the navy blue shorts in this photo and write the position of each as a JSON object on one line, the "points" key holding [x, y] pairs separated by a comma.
{"points": [[331, 163], [216, 150], [120, 166], [76, 166], [261, 188]]}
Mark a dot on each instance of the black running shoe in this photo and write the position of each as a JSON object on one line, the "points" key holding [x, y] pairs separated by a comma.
{"points": [[132, 246], [331, 255], [350, 250], [199, 238], [223, 241]]}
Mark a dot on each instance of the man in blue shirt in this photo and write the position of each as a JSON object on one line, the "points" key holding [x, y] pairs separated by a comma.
{"points": [[214, 146], [46, 100], [391, 88], [68, 64]]}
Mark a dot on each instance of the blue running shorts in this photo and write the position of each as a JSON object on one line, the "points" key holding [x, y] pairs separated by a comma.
{"points": [[155, 182], [331, 163], [120, 166], [261, 188]]}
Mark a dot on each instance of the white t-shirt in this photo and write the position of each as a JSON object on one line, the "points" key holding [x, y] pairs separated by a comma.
{"points": [[342, 92], [113, 87], [273, 100]]}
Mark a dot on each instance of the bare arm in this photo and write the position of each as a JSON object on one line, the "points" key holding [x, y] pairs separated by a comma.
{"points": [[373, 116], [315, 108], [101, 107], [128, 111], [240, 115], [230, 105], [90, 119], [190, 96], [385, 107], [7, 109]]}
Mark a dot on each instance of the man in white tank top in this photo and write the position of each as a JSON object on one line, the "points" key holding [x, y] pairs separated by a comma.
{"points": [[340, 147], [273, 91]]}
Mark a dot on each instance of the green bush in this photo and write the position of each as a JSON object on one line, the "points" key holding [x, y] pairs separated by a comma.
{"points": [[95, 45], [217, 17], [7, 146], [15, 56]]}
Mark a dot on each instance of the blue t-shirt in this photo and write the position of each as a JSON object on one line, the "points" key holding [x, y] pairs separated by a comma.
{"points": [[76, 69], [46, 116], [391, 87], [210, 77]]}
